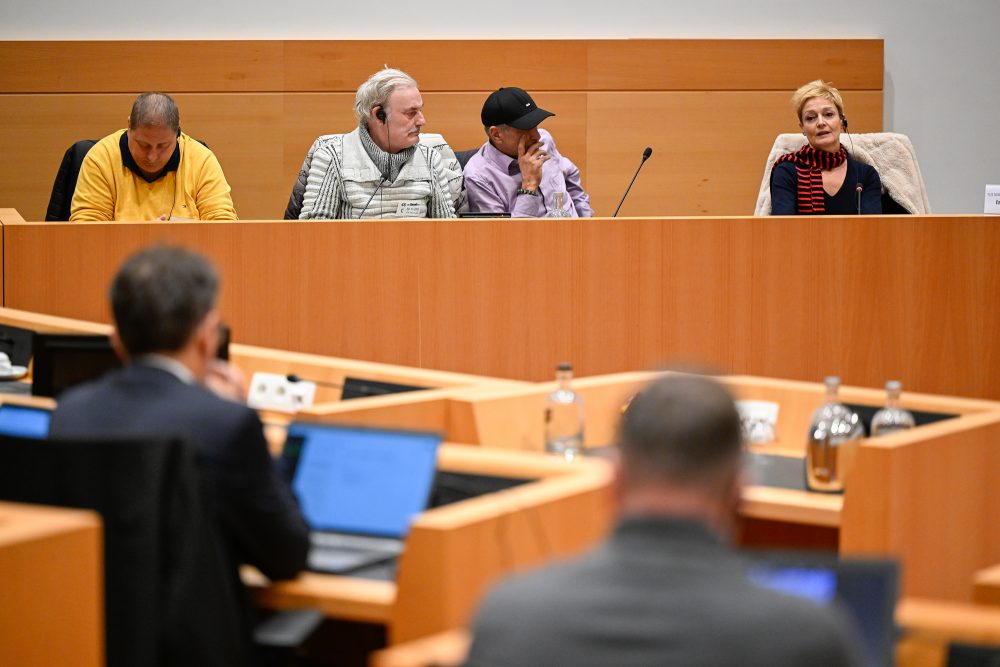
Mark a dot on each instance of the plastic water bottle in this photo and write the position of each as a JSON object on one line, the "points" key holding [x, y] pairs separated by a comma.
{"points": [[558, 209], [564, 417], [891, 418], [832, 442]]}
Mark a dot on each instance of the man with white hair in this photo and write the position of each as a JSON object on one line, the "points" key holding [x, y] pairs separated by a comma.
{"points": [[382, 169]]}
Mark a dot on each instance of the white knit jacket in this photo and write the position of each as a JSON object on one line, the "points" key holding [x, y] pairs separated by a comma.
{"points": [[342, 179]]}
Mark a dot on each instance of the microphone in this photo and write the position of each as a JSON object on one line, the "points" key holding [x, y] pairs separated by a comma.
{"points": [[645, 156], [385, 177], [859, 188]]}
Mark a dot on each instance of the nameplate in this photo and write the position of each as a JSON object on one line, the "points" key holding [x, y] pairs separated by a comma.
{"points": [[409, 209], [271, 391], [992, 205]]}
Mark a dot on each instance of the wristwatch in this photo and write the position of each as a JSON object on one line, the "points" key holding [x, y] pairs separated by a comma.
{"points": [[533, 193]]}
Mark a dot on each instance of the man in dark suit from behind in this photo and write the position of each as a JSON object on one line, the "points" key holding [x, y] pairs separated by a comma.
{"points": [[167, 332], [664, 589]]}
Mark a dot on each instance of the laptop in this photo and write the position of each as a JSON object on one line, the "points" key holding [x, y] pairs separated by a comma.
{"points": [[24, 421], [867, 589], [359, 489]]}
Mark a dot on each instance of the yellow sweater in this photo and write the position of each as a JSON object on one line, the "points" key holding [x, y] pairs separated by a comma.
{"points": [[108, 190]]}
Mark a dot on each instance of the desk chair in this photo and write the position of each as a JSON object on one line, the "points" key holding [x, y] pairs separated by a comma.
{"points": [[891, 154], [61, 198], [464, 156], [171, 595]]}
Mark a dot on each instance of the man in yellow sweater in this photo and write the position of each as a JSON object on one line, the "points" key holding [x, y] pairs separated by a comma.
{"points": [[151, 171]]}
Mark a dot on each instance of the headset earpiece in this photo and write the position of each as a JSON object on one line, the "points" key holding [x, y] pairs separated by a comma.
{"points": [[380, 114], [178, 130], [843, 121]]}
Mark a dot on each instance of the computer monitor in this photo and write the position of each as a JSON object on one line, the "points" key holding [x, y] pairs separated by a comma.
{"points": [[63, 360], [866, 588], [16, 343], [360, 388]]}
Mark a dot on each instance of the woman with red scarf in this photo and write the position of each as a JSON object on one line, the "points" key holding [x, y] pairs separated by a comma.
{"points": [[820, 178]]}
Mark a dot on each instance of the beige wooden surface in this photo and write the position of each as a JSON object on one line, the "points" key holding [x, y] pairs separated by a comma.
{"points": [[52, 605], [908, 297], [260, 104], [931, 625], [986, 586]]}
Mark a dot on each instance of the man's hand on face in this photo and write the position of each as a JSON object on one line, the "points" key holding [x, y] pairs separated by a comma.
{"points": [[530, 160]]}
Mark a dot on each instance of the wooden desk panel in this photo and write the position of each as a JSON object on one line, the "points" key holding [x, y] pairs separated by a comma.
{"points": [[783, 297], [52, 607]]}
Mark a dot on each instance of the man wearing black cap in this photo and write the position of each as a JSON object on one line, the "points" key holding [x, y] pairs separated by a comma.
{"points": [[518, 170]]}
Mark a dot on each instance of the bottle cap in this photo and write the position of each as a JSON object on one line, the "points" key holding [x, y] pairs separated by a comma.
{"points": [[564, 366], [893, 385]]}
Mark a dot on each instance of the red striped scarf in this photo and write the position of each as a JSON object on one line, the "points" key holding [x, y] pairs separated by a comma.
{"points": [[809, 166]]}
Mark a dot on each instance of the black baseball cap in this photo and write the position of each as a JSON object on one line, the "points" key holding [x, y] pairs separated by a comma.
{"points": [[512, 106]]}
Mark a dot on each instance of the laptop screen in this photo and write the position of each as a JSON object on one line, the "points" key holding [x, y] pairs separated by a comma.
{"points": [[867, 588], [64, 360], [24, 421], [359, 480]]}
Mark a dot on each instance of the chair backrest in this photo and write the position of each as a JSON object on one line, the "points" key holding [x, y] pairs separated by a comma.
{"points": [[890, 153], [463, 156], [64, 186], [170, 598]]}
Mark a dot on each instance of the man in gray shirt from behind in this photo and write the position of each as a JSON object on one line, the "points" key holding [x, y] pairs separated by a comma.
{"points": [[664, 589]]}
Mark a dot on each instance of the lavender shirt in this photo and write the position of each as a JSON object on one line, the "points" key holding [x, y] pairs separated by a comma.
{"points": [[492, 180]]}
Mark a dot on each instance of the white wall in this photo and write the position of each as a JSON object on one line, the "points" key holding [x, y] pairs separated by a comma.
{"points": [[941, 58]]}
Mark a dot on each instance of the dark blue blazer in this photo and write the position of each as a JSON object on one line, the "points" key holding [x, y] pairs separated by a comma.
{"points": [[784, 191], [245, 499]]}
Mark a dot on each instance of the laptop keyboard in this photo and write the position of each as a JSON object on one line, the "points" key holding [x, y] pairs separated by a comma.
{"points": [[338, 541]]}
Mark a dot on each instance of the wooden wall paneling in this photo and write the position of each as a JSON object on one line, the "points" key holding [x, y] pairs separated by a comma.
{"points": [[438, 65], [495, 296], [244, 132], [617, 295], [38, 130], [732, 64], [109, 66]]}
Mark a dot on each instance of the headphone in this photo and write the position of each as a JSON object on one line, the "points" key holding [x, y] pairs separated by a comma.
{"points": [[843, 121], [380, 113]]}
